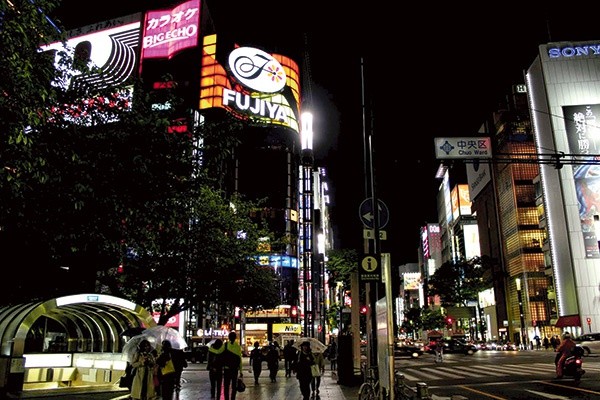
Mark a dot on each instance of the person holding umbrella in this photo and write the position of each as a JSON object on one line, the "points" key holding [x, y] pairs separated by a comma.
{"points": [[303, 369], [144, 360]]}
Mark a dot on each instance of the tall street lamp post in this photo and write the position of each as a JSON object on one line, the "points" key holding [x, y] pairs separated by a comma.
{"points": [[307, 220]]}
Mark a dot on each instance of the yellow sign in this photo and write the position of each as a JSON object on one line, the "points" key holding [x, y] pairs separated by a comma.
{"points": [[287, 328]]}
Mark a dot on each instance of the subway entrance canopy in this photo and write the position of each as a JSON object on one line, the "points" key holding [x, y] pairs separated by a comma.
{"points": [[90, 326], [91, 323]]}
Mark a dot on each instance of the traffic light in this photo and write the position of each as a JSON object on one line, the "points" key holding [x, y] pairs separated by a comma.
{"points": [[294, 314], [363, 310], [449, 321]]}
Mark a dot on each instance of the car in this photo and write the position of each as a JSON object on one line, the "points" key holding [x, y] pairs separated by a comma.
{"points": [[590, 342], [509, 346], [405, 348], [197, 353], [457, 346]]}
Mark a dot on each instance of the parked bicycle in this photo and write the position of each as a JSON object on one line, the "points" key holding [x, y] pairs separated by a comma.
{"points": [[370, 389]]}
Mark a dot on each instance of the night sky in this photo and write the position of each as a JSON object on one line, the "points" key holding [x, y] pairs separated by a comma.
{"points": [[431, 71]]}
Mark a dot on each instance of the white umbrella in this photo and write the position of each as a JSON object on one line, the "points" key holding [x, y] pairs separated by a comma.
{"points": [[316, 346], [160, 333], [132, 345]]}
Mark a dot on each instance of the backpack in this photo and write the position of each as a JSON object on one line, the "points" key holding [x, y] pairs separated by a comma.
{"points": [[229, 359]]}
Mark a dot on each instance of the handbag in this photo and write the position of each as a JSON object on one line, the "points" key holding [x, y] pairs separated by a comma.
{"points": [[169, 368], [241, 386], [315, 370]]}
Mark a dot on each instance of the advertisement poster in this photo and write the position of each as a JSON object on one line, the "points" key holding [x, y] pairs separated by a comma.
{"points": [[583, 134]]}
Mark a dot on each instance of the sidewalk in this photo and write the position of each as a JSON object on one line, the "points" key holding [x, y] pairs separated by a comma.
{"points": [[196, 386]]}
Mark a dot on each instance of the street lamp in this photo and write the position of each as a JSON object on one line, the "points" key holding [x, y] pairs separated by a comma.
{"points": [[306, 136], [521, 316]]}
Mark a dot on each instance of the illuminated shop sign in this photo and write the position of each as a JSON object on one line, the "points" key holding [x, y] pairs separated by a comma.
{"points": [[254, 85], [574, 51], [275, 261], [257, 70], [169, 31], [111, 50]]}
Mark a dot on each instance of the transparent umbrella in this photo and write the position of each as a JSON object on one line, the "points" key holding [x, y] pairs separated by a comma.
{"points": [[160, 333], [131, 347], [316, 346]]}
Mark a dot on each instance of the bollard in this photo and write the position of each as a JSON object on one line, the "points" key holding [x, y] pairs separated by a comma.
{"points": [[422, 390]]}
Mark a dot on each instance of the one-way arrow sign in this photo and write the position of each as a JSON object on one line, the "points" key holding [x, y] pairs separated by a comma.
{"points": [[367, 216]]}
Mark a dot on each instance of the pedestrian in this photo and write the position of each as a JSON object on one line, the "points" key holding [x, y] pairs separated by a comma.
{"points": [[303, 369], [315, 383], [546, 343], [554, 341], [273, 362], [333, 354], [538, 342], [144, 362], [215, 368], [564, 351], [256, 360], [289, 357], [232, 364], [167, 372], [180, 364]]}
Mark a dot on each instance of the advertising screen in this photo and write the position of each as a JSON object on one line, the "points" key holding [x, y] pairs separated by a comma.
{"points": [[583, 134], [251, 84]]}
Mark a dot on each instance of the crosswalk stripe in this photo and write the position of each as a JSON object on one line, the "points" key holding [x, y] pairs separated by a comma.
{"points": [[469, 370], [434, 372]]}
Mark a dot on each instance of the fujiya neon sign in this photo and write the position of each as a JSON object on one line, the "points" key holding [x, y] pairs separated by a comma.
{"points": [[259, 72], [574, 51], [256, 106]]}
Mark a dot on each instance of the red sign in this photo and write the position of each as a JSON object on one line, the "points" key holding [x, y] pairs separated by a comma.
{"points": [[173, 322], [167, 32]]}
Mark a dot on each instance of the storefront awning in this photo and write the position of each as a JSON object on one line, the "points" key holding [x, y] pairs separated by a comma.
{"points": [[568, 320]]}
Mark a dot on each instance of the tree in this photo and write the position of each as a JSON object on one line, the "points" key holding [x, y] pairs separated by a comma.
{"points": [[341, 263], [116, 195], [458, 283]]}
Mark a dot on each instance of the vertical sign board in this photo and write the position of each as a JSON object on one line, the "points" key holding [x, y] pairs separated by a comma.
{"points": [[369, 269]]}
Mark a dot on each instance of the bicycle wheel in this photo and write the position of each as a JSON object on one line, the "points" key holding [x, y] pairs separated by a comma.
{"points": [[366, 392]]}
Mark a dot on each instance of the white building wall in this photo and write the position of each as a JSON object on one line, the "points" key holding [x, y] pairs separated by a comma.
{"points": [[570, 78]]}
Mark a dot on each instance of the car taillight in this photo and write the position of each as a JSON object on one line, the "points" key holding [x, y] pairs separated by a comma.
{"points": [[578, 362]]}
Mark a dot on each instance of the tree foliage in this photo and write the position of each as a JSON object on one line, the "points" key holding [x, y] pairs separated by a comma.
{"points": [[341, 263], [101, 194], [459, 283]]}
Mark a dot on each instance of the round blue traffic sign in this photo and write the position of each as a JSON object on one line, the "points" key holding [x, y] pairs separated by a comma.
{"points": [[367, 215]]}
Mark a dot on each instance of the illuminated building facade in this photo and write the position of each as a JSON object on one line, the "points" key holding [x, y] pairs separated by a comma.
{"points": [[563, 86], [210, 74]]}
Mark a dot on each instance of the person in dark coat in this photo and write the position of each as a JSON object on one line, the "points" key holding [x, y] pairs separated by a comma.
{"points": [[303, 369], [215, 368], [289, 356], [256, 360], [167, 381], [273, 362]]}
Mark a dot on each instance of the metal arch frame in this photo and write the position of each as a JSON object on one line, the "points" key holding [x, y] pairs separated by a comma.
{"points": [[16, 321]]}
